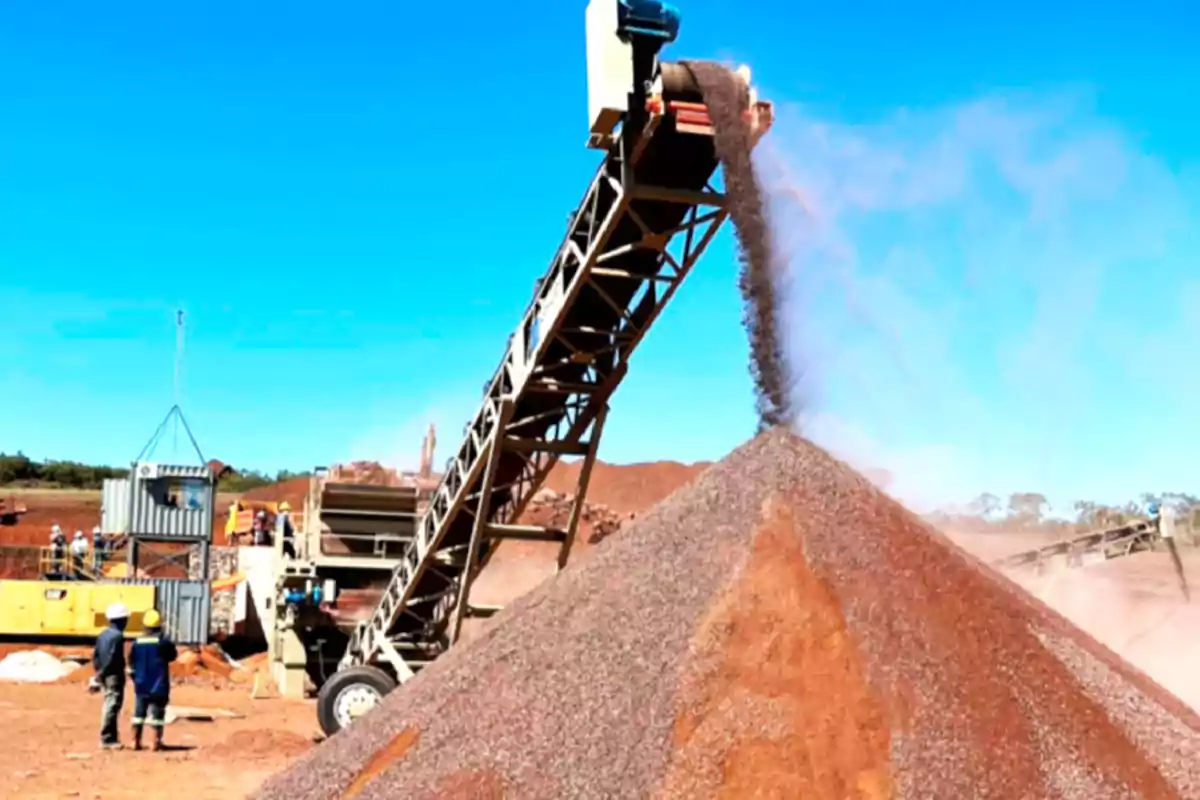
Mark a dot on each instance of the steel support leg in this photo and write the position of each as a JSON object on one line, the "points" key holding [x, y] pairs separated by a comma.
{"points": [[585, 476], [483, 510]]}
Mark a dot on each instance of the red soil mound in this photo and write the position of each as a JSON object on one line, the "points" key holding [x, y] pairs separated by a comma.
{"points": [[291, 491], [617, 493], [625, 488], [777, 628]]}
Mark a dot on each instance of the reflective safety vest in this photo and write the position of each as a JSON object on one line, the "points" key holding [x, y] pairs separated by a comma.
{"points": [[150, 660]]}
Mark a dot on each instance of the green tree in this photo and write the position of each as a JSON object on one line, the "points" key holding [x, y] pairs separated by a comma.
{"points": [[1027, 508], [244, 481], [986, 506]]}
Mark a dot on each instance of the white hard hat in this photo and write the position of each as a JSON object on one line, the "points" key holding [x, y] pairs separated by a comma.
{"points": [[55, 528], [78, 534], [96, 530], [117, 611]]}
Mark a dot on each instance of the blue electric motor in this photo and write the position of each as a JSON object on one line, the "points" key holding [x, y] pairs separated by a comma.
{"points": [[649, 18], [298, 596]]}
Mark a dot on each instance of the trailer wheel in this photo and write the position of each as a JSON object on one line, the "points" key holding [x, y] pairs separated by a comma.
{"points": [[350, 693]]}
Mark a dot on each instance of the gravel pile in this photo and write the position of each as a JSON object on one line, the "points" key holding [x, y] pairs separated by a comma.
{"points": [[34, 666], [776, 628]]}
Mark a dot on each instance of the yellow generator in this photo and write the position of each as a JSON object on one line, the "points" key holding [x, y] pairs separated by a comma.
{"points": [[68, 608]]}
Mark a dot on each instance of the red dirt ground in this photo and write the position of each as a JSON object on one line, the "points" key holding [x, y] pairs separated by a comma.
{"points": [[71, 510], [19, 563], [52, 732]]}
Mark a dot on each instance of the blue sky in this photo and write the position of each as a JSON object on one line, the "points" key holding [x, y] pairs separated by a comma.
{"points": [[990, 216]]}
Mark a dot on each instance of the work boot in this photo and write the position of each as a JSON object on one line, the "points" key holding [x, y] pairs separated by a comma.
{"points": [[137, 737], [158, 738]]}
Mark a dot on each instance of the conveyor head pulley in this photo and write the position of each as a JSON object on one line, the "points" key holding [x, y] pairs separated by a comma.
{"points": [[650, 18]]}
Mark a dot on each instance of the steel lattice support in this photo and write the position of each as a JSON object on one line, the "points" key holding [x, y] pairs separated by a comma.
{"points": [[558, 372], [483, 511], [581, 487]]}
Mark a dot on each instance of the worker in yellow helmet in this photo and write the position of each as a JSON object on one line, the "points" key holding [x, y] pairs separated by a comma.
{"points": [[231, 520], [150, 660], [284, 529]]}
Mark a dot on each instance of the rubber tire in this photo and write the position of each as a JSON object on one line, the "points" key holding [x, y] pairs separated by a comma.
{"points": [[374, 677]]}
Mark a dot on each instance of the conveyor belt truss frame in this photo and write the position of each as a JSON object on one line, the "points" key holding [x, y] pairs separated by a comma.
{"points": [[584, 254], [1108, 543]]}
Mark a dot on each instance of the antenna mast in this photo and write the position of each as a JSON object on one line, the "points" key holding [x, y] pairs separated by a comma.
{"points": [[177, 384]]}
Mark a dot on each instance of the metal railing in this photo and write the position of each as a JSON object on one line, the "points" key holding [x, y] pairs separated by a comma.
{"points": [[61, 562]]}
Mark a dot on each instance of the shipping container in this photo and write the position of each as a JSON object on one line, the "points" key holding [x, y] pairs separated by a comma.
{"points": [[114, 506], [161, 501], [68, 608], [186, 607]]}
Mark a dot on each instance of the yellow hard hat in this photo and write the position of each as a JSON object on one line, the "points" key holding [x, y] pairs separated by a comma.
{"points": [[151, 619], [285, 506]]}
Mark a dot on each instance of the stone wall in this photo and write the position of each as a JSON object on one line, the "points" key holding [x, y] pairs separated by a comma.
{"points": [[222, 563]]}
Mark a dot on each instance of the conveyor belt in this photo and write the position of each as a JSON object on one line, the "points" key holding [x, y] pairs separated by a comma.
{"points": [[607, 284], [1087, 548]]}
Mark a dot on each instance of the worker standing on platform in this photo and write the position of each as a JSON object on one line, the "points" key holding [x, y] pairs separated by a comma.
{"points": [[79, 551], [108, 660], [258, 529], [58, 548], [284, 529], [150, 664], [99, 545]]}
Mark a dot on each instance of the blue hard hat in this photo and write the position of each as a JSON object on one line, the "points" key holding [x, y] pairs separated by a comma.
{"points": [[1152, 508]]}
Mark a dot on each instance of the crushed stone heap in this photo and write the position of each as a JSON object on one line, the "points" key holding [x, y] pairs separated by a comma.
{"points": [[777, 628]]}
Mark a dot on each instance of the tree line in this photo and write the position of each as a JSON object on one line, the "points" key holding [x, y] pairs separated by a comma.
{"points": [[1032, 510], [252, 479], [20, 471]]}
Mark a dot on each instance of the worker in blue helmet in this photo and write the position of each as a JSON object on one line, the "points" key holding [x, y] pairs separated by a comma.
{"points": [[150, 660], [1153, 510]]}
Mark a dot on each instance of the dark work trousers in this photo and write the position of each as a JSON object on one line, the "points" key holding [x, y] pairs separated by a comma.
{"points": [[150, 711], [114, 698]]}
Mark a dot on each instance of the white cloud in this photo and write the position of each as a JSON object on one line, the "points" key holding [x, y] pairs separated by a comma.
{"points": [[966, 294]]}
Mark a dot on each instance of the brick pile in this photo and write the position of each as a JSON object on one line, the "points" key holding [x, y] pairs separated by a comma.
{"points": [[553, 509]]}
